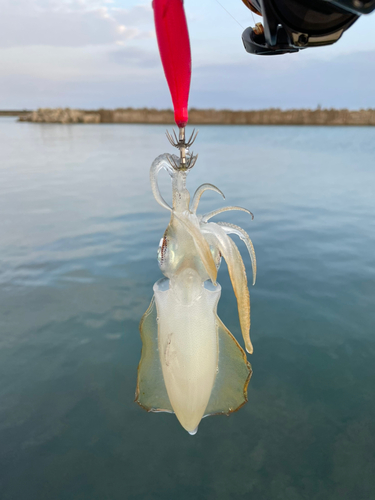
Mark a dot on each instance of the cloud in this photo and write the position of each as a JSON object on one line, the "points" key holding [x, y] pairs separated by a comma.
{"points": [[136, 57], [138, 15], [34, 92], [90, 77], [101, 62], [287, 82], [114, 76], [69, 23]]}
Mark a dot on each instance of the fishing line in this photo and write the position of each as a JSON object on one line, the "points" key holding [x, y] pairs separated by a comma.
{"points": [[252, 15], [222, 6]]}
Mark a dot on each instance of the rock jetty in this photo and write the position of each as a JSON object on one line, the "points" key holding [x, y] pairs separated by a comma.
{"points": [[272, 116], [60, 115]]}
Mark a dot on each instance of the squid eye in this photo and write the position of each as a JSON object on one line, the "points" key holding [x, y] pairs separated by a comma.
{"points": [[216, 254]]}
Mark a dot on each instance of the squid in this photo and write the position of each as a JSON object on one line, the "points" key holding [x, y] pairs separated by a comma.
{"points": [[191, 364]]}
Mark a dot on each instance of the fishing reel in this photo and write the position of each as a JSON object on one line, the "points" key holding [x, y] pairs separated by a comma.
{"points": [[291, 25]]}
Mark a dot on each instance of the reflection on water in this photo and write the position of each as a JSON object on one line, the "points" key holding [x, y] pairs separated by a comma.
{"points": [[79, 232]]}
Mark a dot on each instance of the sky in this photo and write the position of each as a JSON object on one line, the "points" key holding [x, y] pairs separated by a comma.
{"points": [[93, 54]]}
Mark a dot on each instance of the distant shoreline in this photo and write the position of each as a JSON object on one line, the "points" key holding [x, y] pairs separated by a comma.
{"points": [[272, 116], [15, 112]]}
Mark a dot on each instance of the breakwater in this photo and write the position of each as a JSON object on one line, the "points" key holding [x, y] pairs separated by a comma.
{"points": [[13, 112], [272, 116]]}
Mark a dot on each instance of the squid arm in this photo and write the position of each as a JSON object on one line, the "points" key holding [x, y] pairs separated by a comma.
{"points": [[209, 216], [161, 162], [201, 245], [233, 229], [237, 275], [198, 193]]}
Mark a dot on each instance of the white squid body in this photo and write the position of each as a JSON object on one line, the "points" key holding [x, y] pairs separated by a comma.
{"points": [[191, 364]]}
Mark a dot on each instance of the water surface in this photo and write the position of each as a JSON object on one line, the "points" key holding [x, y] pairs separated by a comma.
{"points": [[79, 230]]}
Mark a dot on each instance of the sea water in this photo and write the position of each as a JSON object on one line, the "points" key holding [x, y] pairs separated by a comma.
{"points": [[79, 231]]}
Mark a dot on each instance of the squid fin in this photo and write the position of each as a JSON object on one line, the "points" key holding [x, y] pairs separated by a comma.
{"points": [[151, 392], [229, 393]]}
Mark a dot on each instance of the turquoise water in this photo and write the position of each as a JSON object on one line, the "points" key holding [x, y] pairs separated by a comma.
{"points": [[79, 230]]}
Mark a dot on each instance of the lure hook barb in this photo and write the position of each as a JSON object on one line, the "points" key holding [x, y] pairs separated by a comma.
{"points": [[187, 161]]}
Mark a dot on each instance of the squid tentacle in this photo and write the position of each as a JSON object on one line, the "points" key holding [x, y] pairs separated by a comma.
{"points": [[208, 216], [233, 229], [198, 193], [237, 275], [161, 162]]}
